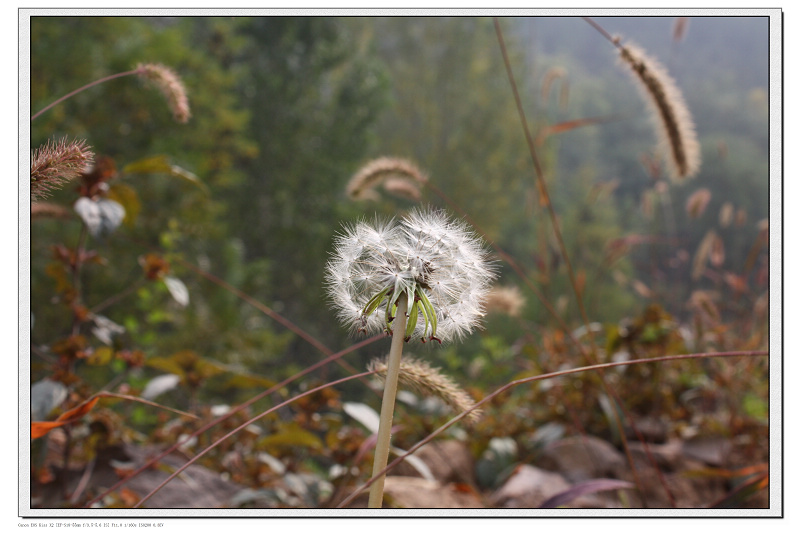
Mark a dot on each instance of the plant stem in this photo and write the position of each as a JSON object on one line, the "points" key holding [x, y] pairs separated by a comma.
{"points": [[231, 433], [387, 407], [540, 377], [153, 460], [81, 89]]}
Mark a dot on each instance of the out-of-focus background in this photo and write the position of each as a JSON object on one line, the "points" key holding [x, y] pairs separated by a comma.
{"points": [[247, 196]]}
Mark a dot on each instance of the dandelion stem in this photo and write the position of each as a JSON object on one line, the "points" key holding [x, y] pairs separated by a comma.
{"points": [[387, 407]]}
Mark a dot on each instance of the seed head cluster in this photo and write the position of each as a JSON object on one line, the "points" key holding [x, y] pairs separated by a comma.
{"points": [[171, 87], [669, 111], [420, 376], [56, 163], [438, 264], [399, 176]]}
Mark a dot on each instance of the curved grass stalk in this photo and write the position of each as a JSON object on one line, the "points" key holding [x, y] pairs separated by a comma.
{"points": [[244, 425], [232, 412], [285, 322], [81, 89], [523, 381]]}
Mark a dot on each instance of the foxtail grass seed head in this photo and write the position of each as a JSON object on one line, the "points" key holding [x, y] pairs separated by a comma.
{"points": [[669, 111], [361, 186], [429, 381], [679, 28], [696, 203], [56, 163], [403, 188], [171, 86], [438, 264], [508, 300], [726, 215]]}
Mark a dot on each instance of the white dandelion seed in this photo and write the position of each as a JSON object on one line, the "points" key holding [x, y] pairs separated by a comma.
{"points": [[436, 263]]}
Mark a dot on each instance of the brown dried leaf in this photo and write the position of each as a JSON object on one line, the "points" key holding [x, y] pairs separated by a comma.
{"points": [[569, 125]]}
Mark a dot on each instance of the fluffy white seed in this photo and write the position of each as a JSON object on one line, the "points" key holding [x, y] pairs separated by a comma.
{"points": [[425, 250]]}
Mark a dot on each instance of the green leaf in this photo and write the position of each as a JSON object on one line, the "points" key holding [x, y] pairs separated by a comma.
{"points": [[101, 356], [291, 436], [167, 364], [207, 368], [756, 406], [161, 165], [244, 382]]}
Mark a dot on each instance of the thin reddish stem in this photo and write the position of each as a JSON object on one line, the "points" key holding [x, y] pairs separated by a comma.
{"points": [[531, 379], [244, 425], [233, 411], [285, 322]]}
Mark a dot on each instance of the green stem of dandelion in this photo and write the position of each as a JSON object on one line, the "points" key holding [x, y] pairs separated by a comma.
{"points": [[387, 408]]}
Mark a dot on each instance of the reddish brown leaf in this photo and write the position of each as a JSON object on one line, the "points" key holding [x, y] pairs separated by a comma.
{"points": [[128, 497], [463, 488], [562, 127], [40, 429], [741, 493], [72, 347], [155, 267], [44, 475]]}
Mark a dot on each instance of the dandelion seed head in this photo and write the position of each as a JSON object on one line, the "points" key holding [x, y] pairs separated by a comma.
{"points": [[425, 257]]}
